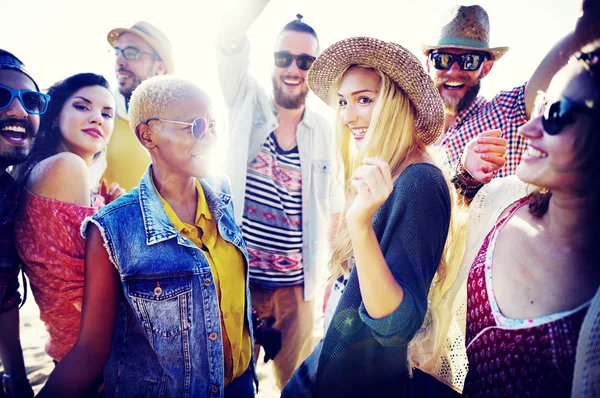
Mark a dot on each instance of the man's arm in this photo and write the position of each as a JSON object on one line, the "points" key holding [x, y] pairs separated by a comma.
{"points": [[233, 48], [11, 355], [586, 30]]}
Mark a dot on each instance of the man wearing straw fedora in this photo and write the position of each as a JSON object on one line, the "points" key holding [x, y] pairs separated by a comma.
{"points": [[280, 162], [459, 60], [141, 52]]}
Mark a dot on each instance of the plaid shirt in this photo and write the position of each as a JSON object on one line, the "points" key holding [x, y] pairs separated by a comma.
{"points": [[9, 261], [506, 111]]}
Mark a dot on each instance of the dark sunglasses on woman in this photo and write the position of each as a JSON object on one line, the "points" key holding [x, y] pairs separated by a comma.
{"points": [[283, 59], [34, 102], [468, 62], [558, 114]]}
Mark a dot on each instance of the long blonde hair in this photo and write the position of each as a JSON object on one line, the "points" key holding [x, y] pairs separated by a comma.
{"points": [[391, 137]]}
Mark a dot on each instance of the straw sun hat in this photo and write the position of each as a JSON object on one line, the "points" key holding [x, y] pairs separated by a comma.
{"points": [[467, 28], [396, 62], [152, 35]]}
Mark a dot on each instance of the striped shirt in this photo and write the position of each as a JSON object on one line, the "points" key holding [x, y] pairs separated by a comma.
{"points": [[272, 221]]}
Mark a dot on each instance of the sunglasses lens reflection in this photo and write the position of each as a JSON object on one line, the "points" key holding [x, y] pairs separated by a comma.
{"points": [[199, 128], [34, 102], [5, 98], [283, 59], [304, 62]]}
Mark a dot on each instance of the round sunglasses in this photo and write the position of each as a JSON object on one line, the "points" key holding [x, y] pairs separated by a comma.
{"points": [[200, 126], [469, 62], [558, 114], [34, 102], [283, 59]]}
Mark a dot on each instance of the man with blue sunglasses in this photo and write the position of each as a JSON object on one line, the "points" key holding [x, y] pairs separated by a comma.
{"points": [[458, 62], [21, 103]]}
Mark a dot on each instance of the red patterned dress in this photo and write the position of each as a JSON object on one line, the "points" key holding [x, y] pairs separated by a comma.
{"points": [[515, 357], [49, 243]]}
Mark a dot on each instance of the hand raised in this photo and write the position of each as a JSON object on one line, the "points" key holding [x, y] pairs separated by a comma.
{"points": [[372, 183], [485, 155]]}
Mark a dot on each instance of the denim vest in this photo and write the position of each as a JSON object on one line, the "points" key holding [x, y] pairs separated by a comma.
{"points": [[167, 339]]}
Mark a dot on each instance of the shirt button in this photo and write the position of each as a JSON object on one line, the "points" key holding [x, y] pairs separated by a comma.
{"points": [[213, 336], [214, 389], [207, 282], [226, 315]]}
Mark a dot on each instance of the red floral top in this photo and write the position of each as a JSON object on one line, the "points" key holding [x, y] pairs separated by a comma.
{"points": [[515, 357], [49, 243]]}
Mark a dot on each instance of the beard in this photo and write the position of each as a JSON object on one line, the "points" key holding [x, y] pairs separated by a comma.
{"points": [[454, 105], [12, 155], [288, 101], [126, 91]]}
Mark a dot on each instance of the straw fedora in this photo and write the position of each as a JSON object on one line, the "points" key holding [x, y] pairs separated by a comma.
{"points": [[151, 34], [466, 27], [397, 62]]}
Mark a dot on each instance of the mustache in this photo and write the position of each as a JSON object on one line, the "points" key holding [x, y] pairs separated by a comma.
{"points": [[25, 123], [292, 77], [462, 79], [124, 70]]}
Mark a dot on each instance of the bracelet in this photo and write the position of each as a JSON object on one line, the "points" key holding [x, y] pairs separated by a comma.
{"points": [[465, 183], [18, 379]]}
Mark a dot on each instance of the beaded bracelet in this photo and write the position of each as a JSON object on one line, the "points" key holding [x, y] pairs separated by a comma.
{"points": [[464, 182]]}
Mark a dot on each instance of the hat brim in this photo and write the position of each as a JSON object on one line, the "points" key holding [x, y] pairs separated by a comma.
{"points": [[495, 52], [395, 61], [164, 55]]}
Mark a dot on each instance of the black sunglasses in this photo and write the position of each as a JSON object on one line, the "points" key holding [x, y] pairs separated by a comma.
{"points": [[559, 114], [468, 62], [200, 125], [283, 59], [131, 53], [33, 102]]}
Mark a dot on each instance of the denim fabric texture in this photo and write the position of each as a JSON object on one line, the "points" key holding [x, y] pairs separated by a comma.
{"points": [[167, 339]]}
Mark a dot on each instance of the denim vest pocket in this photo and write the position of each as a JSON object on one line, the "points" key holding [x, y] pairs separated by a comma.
{"points": [[322, 170], [163, 305]]}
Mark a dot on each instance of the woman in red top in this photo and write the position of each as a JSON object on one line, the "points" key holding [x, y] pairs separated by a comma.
{"points": [[533, 249], [56, 199]]}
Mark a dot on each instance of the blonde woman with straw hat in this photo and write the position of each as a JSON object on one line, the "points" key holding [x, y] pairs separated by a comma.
{"points": [[391, 241]]}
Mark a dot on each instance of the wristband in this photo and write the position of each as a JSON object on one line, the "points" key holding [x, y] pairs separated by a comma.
{"points": [[18, 379], [464, 182]]}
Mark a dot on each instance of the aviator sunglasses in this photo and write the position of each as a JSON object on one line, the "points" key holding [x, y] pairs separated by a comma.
{"points": [[34, 102], [200, 125], [468, 62], [558, 114], [283, 59]]}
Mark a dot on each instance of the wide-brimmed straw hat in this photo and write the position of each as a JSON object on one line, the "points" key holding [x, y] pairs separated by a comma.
{"points": [[397, 62], [151, 34], [468, 28]]}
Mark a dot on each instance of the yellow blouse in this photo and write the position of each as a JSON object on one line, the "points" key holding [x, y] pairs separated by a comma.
{"points": [[228, 269]]}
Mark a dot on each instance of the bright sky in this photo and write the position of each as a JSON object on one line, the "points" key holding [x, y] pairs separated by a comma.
{"points": [[58, 38]]}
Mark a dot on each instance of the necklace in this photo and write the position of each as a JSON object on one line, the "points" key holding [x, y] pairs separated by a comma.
{"points": [[288, 145]]}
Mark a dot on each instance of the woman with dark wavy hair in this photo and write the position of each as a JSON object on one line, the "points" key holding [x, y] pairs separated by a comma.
{"points": [[56, 199], [531, 261]]}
